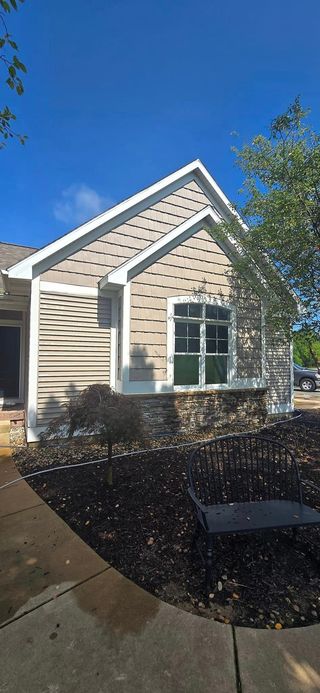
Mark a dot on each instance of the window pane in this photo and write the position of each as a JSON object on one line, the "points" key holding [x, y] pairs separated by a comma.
{"points": [[193, 329], [216, 370], [211, 346], [181, 309], [211, 312], [181, 345], [194, 346], [223, 332], [222, 346], [186, 370], [223, 314], [195, 310], [211, 331], [181, 329]]}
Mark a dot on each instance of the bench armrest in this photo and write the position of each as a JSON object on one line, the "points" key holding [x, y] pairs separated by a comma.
{"points": [[196, 501]]}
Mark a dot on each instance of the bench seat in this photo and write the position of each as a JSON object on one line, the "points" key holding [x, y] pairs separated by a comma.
{"points": [[250, 517]]}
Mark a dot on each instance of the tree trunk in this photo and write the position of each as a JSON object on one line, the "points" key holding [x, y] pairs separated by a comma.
{"points": [[109, 469]]}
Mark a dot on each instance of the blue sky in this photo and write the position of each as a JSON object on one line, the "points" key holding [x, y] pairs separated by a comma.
{"points": [[119, 93]]}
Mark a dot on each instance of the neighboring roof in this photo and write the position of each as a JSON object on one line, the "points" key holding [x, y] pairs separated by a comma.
{"points": [[60, 249], [11, 253]]}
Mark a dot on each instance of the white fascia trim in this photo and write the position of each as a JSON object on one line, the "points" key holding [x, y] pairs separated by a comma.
{"points": [[33, 353], [285, 408], [73, 289], [62, 247], [137, 264]]}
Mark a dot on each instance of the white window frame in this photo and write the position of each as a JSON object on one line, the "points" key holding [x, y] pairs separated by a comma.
{"points": [[203, 299]]}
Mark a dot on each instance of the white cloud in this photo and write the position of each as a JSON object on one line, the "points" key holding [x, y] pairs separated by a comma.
{"points": [[78, 203]]}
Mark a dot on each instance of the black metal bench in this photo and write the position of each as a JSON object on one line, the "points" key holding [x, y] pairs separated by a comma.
{"points": [[241, 483]]}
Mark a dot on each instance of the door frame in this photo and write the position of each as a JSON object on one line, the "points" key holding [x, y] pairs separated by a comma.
{"points": [[21, 325]]}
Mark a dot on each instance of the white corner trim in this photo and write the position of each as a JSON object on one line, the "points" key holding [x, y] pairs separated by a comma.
{"points": [[291, 374], [33, 433], [137, 264], [263, 339], [285, 408], [114, 342], [33, 353], [125, 335]]}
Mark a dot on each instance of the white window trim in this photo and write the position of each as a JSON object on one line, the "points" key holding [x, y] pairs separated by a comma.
{"points": [[206, 299]]}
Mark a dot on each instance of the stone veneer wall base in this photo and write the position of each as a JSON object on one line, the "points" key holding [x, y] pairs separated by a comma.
{"points": [[177, 413]]}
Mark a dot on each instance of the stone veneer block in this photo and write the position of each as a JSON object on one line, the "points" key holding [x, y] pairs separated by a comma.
{"points": [[181, 412]]}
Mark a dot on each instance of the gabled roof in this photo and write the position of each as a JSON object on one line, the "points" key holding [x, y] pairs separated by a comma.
{"points": [[206, 218], [60, 249]]}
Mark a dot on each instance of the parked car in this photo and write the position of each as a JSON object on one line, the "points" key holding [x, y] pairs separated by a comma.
{"points": [[305, 378]]}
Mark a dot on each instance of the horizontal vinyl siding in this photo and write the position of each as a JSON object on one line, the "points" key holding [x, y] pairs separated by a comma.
{"points": [[87, 266], [74, 348]]}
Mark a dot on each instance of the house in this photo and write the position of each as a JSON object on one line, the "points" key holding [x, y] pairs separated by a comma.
{"points": [[143, 297]]}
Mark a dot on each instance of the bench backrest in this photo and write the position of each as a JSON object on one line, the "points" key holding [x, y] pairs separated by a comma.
{"points": [[239, 469]]}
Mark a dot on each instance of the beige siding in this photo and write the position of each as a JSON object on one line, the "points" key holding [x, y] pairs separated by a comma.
{"points": [[196, 265], [87, 266], [74, 348], [278, 369]]}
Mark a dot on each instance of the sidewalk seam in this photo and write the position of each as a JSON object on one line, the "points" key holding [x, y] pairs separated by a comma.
{"points": [[53, 599], [22, 510], [236, 661]]}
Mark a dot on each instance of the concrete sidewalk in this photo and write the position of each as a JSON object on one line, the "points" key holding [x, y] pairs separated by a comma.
{"points": [[72, 624]]}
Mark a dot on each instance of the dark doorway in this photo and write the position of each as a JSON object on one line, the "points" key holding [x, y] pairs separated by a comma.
{"points": [[9, 360]]}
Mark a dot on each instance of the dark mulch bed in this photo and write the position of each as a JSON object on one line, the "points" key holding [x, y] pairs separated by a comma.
{"points": [[143, 526]]}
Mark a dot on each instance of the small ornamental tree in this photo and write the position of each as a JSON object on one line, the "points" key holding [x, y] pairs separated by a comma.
{"points": [[98, 410]]}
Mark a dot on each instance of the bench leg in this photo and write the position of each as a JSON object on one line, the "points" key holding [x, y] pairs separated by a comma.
{"points": [[209, 563], [196, 535]]}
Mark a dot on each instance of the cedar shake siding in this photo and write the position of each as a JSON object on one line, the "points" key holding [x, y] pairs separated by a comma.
{"points": [[87, 266], [74, 348], [197, 265]]}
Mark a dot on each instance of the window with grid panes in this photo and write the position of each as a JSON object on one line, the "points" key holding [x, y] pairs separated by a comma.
{"points": [[201, 344]]}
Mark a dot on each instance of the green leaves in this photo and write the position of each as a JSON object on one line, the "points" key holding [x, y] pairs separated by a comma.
{"points": [[282, 208], [12, 67], [8, 6]]}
